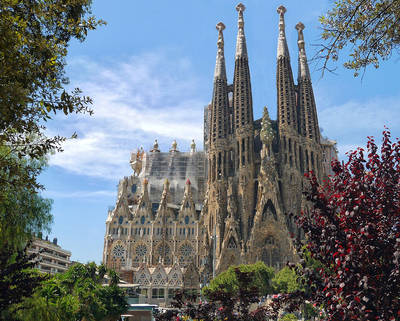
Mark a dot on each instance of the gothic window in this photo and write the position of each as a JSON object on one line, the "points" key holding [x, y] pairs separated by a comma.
{"points": [[167, 260], [154, 207], [121, 219], [118, 251], [141, 250], [143, 280], [187, 219], [163, 249], [142, 220], [269, 209], [232, 243], [133, 188], [270, 240], [186, 250], [187, 205]]}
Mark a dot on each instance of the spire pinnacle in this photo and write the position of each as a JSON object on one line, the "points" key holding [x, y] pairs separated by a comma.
{"points": [[241, 49], [220, 71], [166, 184], [303, 65], [283, 50], [300, 27]]}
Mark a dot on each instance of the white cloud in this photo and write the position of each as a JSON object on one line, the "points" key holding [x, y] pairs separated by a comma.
{"points": [[350, 123], [146, 97]]}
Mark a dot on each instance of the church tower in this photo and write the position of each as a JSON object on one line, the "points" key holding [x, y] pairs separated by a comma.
{"points": [[243, 125], [308, 119], [218, 152], [288, 135]]}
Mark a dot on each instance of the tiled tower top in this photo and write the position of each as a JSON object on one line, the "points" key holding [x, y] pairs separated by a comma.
{"points": [[303, 65], [308, 119], [220, 70], [241, 49], [283, 50]]}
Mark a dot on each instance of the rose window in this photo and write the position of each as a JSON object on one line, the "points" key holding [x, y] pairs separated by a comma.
{"points": [[141, 250], [118, 250], [186, 250]]}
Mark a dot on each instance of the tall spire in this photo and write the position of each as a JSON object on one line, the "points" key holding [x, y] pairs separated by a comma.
{"points": [[220, 70], [241, 49], [243, 125], [308, 119], [287, 113], [283, 50], [242, 99], [219, 120]]}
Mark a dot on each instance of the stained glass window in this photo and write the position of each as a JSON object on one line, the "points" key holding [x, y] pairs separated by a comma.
{"points": [[186, 250], [118, 250], [141, 250]]}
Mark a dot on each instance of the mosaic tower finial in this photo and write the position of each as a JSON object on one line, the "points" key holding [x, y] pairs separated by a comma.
{"points": [[283, 50], [220, 70]]}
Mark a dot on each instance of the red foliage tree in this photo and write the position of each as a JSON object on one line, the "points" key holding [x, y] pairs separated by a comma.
{"points": [[353, 231]]}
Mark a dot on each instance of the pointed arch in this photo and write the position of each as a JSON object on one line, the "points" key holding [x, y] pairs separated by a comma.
{"points": [[232, 243], [268, 209]]}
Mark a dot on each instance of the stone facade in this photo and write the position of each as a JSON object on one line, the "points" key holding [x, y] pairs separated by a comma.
{"points": [[233, 202]]}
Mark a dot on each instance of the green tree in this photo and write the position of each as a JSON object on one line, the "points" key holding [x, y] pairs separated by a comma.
{"points": [[288, 317], [370, 29], [76, 294], [18, 279], [285, 281], [23, 212], [228, 282], [34, 38]]}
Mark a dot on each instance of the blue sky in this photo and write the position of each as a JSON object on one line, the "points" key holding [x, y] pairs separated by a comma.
{"points": [[149, 72]]}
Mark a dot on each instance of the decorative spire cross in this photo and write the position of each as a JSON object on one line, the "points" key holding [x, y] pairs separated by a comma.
{"points": [[220, 27], [241, 49], [240, 8], [281, 10], [283, 50], [300, 27], [220, 71]]}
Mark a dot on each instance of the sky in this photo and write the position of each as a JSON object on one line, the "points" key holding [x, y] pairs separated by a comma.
{"points": [[149, 72]]}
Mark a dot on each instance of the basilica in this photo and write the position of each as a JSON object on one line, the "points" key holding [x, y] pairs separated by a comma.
{"points": [[183, 217]]}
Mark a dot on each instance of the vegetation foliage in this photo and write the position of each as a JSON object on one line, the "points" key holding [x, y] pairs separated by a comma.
{"points": [[78, 294], [18, 279], [370, 29], [33, 46], [353, 231], [228, 282]]}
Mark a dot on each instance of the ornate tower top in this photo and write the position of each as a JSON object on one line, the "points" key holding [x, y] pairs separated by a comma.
{"points": [[300, 27], [303, 65], [155, 147], [192, 146], [220, 71], [174, 146], [283, 50], [241, 49]]}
